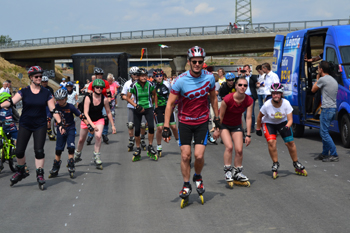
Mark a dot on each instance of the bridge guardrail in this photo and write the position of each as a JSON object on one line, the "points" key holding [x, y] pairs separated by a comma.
{"points": [[175, 32]]}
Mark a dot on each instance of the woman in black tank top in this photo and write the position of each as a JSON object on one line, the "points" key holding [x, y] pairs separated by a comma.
{"points": [[93, 105]]}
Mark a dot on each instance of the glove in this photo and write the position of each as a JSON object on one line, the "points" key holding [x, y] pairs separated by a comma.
{"points": [[258, 132], [285, 129], [217, 122], [90, 128], [166, 134], [139, 109]]}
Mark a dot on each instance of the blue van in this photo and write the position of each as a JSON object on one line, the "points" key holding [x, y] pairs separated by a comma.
{"points": [[298, 76]]}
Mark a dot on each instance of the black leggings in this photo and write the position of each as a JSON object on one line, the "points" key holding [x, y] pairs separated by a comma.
{"points": [[24, 137], [149, 118]]}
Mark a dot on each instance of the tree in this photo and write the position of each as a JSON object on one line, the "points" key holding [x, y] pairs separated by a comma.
{"points": [[5, 39]]}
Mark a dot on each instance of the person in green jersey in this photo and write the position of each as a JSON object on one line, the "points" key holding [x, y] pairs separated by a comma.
{"points": [[162, 88], [144, 93]]}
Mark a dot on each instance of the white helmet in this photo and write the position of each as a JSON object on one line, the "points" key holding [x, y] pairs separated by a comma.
{"points": [[195, 51], [133, 70], [44, 79], [60, 94]]}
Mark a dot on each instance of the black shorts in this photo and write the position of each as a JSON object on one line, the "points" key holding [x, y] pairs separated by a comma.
{"points": [[270, 132], [159, 119], [231, 129], [199, 132]]}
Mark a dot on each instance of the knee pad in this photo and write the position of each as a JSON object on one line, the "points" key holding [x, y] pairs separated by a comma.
{"points": [[39, 154], [151, 130], [130, 125], [106, 120], [143, 125], [71, 150], [59, 152]]}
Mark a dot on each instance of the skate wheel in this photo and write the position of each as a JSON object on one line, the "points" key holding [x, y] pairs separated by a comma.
{"points": [[159, 154], [184, 202], [274, 175], [41, 187], [129, 149], [230, 183], [155, 157], [72, 175], [202, 199], [99, 167], [144, 148]]}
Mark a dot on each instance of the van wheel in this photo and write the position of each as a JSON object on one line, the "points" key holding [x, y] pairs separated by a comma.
{"points": [[345, 131], [298, 130]]}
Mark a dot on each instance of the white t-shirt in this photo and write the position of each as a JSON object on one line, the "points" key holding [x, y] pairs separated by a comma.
{"points": [[275, 115], [125, 92], [63, 84], [5, 90], [71, 98], [261, 89], [270, 78]]}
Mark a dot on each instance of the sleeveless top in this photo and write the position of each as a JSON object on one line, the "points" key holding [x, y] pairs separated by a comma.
{"points": [[95, 112]]}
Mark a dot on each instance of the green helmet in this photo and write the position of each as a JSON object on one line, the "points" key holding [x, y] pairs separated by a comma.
{"points": [[4, 96], [98, 83]]}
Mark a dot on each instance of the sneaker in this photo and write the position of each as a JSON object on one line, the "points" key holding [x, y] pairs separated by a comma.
{"points": [[321, 157], [331, 158]]}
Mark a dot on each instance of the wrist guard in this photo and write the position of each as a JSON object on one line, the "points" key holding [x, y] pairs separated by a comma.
{"points": [[217, 122]]}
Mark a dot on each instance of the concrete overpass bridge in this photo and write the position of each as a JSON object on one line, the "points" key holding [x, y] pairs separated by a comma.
{"points": [[217, 40]]}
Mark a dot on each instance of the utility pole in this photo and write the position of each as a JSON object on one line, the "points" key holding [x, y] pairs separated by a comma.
{"points": [[243, 12]]}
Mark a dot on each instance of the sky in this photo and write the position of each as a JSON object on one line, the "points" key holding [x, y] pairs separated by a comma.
{"points": [[23, 19]]}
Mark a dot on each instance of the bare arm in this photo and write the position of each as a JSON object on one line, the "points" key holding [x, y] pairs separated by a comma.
{"points": [[169, 109], [51, 105], [128, 98], [214, 102], [15, 100], [109, 115], [258, 122], [155, 97], [290, 120]]}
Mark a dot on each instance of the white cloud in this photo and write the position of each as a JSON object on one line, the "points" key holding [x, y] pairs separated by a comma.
{"points": [[203, 8]]}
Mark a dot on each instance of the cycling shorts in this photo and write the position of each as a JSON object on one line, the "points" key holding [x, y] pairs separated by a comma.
{"points": [[159, 119], [232, 129], [270, 132], [198, 132]]}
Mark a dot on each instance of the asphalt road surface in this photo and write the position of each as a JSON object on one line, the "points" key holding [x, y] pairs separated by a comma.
{"points": [[143, 196]]}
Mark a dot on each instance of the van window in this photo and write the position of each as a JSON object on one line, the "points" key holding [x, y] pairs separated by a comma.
{"points": [[345, 54], [331, 56]]}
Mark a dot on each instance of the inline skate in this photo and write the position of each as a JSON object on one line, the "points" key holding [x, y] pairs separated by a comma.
{"points": [[71, 167], [211, 139], [97, 160], [275, 167], [89, 140], [159, 150], [131, 144], [299, 168], [228, 175], [20, 174], [239, 178], [199, 186], [51, 136], [185, 194], [40, 178], [137, 155], [77, 156], [55, 168], [105, 138], [152, 153]]}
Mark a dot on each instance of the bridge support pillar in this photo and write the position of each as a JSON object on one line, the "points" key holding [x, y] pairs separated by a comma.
{"points": [[178, 65]]}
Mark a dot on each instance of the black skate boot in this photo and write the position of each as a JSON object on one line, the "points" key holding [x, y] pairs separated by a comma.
{"points": [[152, 153], [137, 155], [71, 167], [143, 144], [55, 168], [20, 174], [40, 178], [51, 136], [77, 156], [1, 165], [131, 144], [299, 168], [239, 178], [199, 186], [185, 194], [105, 139], [88, 140], [275, 167]]}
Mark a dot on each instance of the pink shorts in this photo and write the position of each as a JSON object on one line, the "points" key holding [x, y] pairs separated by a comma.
{"points": [[99, 122]]}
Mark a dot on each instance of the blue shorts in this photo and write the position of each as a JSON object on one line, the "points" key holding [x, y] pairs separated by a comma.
{"points": [[12, 135], [68, 137]]}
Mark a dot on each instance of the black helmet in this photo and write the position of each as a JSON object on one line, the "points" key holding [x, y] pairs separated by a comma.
{"points": [[98, 70], [141, 71], [158, 72]]}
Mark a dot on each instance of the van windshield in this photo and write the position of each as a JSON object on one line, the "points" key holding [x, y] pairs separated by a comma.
{"points": [[345, 54]]}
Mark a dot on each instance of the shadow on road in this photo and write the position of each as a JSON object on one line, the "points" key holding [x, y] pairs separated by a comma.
{"points": [[281, 173], [194, 197]]}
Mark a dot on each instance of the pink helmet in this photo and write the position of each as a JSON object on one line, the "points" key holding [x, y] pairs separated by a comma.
{"points": [[35, 70], [277, 87]]}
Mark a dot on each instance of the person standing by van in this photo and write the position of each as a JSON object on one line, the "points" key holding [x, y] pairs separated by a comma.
{"points": [[261, 86], [270, 78], [329, 89]]}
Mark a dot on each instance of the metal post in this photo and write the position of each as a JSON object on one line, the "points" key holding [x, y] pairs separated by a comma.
{"points": [[202, 31], [161, 63], [141, 34], [177, 32], [216, 30], [147, 57]]}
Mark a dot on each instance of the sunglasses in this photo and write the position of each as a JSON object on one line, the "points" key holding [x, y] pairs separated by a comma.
{"points": [[245, 85], [158, 76], [229, 80], [195, 62], [38, 76], [99, 87]]}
